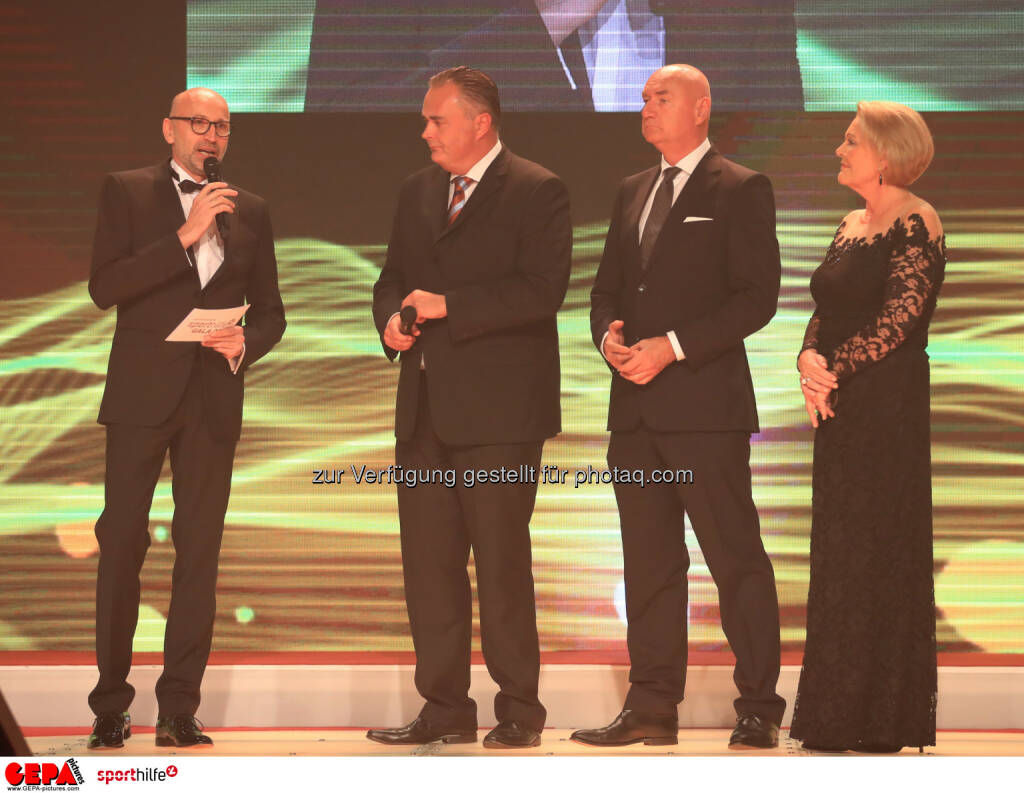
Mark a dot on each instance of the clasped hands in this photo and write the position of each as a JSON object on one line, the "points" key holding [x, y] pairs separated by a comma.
{"points": [[640, 363], [817, 384], [428, 305]]}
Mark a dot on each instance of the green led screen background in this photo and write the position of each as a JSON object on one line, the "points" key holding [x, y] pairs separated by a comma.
{"points": [[311, 567], [294, 55]]}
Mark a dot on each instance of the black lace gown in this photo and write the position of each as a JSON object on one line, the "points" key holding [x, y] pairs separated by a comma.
{"points": [[869, 670]]}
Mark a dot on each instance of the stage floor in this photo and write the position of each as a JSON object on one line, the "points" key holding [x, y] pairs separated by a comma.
{"points": [[352, 742]]}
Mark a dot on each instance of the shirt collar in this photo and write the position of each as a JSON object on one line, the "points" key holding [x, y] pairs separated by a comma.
{"points": [[181, 173], [476, 173], [689, 163]]}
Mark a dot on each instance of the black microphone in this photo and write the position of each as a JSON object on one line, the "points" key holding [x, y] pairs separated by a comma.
{"points": [[407, 318], [211, 167]]}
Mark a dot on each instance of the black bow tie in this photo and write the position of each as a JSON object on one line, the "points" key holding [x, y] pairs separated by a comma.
{"points": [[188, 186]]}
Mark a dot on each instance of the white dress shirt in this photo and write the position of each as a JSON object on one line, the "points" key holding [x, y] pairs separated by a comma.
{"points": [[476, 173], [209, 249], [686, 165]]}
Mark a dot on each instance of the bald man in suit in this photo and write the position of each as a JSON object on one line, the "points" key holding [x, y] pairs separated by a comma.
{"points": [[158, 253], [690, 268]]}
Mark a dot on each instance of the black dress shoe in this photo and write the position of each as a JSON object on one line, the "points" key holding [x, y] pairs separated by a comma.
{"points": [[631, 726], [753, 732], [420, 731], [511, 735], [109, 731], [181, 729]]}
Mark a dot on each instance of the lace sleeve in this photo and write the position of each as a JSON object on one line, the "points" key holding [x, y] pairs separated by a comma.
{"points": [[811, 334], [814, 323], [915, 272]]}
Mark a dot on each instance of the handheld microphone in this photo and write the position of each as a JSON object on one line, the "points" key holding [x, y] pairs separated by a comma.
{"points": [[211, 167], [407, 318]]}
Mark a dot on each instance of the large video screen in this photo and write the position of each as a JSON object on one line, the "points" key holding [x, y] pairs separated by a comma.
{"points": [[595, 55], [315, 566]]}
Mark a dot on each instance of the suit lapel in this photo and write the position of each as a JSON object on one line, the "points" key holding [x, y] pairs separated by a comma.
{"points": [[435, 202], [693, 199], [493, 179], [168, 203], [169, 206], [572, 51], [701, 185], [636, 207]]}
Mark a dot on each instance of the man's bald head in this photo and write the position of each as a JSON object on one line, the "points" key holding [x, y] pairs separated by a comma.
{"points": [[677, 110], [189, 149], [183, 103], [689, 77]]}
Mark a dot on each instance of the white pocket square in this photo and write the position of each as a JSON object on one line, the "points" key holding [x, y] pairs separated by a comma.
{"points": [[695, 219]]}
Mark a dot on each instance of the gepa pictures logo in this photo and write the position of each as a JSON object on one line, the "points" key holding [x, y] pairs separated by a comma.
{"points": [[36, 776]]}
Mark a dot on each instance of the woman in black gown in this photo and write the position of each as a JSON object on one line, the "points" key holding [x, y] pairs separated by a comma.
{"points": [[869, 676]]}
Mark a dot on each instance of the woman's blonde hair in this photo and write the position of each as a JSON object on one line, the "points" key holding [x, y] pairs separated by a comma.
{"points": [[898, 134]]}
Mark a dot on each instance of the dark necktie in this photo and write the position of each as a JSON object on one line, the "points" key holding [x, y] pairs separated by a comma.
{"points": [[188, 186], [458, 197], [660, 208]]}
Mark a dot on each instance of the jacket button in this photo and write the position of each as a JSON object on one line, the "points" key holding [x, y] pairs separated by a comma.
{"points": [[642, 288]]}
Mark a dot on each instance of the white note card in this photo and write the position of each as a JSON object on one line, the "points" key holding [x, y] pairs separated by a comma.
{"points": [[201, 321]]}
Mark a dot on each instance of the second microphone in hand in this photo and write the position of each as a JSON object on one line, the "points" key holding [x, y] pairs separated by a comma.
{"points": [[407, 318]]}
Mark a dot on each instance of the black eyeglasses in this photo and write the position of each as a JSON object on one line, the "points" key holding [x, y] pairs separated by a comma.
{"points": [[201, 125]]}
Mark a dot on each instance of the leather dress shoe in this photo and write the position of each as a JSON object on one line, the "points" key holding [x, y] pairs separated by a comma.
{"points": [[632, 726], [511, 735], [753, 732], [109, 731], [182, 730], [420, 731]]}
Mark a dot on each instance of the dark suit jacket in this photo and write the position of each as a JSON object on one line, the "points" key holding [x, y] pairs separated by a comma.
{"points": [[747, 50], [139, 266], [713, 282], [492, 364]]}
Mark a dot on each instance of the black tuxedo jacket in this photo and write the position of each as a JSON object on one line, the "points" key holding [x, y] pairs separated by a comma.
{"points": [[747, 50], [713, 282], [139, 266], [492, 364]]}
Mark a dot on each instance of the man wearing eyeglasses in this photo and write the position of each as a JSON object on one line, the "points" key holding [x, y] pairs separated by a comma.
{"points": [[157, 254]]}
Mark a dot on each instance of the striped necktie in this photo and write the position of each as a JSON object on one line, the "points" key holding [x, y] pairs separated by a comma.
{"points": [[458, 197]]}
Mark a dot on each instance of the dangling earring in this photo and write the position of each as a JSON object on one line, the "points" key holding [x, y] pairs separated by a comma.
{"points": [[879, 178]]}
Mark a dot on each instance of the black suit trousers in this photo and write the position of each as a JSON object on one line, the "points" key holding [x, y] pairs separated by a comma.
{"points": [[718, 500], [440, 524], [201, 483]]}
